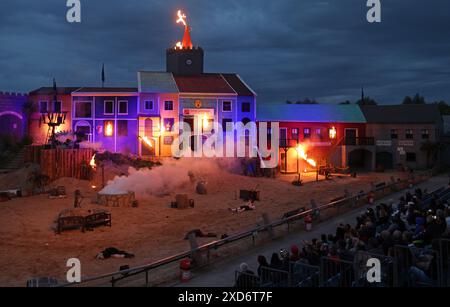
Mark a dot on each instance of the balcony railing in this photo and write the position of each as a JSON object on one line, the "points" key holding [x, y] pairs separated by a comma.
{"points": [[359, 141]]}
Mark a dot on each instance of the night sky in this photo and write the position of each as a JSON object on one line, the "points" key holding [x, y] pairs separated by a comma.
{"points": [[284, 49]]}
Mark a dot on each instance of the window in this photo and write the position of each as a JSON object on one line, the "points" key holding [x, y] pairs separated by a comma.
{"points": [[168, 140], [108, 128], [411, 157], [226, 106], [57, 106], [425, 134], [409, 134], [168, 105], [123, 107], [43, 106], [318, 132], [108, 107], [294, 134], [332, 133], [246, 107], [148, 105], [394, 134], [122, 127], [306, 133], [168, 124], [83, 109], [225, 121]]}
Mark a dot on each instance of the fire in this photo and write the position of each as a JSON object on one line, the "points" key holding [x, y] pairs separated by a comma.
{"points": [[147, 141], [186, 43], [109, 129], [333, 133], [181, 18], [302, 154], [92, 163]]}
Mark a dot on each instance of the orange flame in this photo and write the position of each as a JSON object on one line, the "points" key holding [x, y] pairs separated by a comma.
{"points": [[187, 43], [333, 133], [147, 141], [92, 163], [301, 150], [109, 129]]}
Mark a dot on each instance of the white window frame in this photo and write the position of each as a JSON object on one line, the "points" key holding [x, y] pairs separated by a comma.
{"points": [[231, 106], [104, 107], [118, 107], [145, 105]]}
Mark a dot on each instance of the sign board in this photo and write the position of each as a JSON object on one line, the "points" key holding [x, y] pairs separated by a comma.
{"points": [[406, 143], [383, 143], [199, 112]]}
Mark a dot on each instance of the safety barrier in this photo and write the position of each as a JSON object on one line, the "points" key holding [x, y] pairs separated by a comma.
{"points": [[168, 266]]}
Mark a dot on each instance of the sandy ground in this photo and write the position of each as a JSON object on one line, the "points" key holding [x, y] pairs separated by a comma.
{"points": [[30, 248]]}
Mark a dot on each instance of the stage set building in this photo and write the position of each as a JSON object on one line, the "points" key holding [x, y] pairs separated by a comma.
{"points": [[139, 120]]}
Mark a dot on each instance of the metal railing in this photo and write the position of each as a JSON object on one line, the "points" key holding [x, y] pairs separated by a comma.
{"points": [[351, 202]]}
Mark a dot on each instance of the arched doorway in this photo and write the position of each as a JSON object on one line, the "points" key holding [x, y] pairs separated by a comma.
{"points": [[384, 160], [83, 131], [11, 124], [148, 147], [360, 159]]}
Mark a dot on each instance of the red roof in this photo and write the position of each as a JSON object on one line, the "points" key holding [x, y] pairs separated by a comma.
{"points": [[238, 85], [204, 83]]}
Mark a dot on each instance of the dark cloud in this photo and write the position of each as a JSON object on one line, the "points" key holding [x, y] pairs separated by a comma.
{"points": [[285, 49]]}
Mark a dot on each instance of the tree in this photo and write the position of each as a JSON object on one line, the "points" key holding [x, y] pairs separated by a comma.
{"points": [[367, 101], [307, 101], [417, 99], [407, 100], [345, 102], [431, 149], [443, 107]]}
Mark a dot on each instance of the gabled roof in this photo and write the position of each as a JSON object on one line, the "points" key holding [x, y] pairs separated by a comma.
{"points": [[402, 114], [204, 83], [239, 86], [106, 90], [156, 82], [50, 91], [312, 113]]}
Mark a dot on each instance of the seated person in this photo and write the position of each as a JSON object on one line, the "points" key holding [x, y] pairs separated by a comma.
{"points": [[248, 207]]}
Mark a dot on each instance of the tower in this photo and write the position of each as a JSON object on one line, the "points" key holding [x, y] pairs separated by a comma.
{"points": [[184, 59]]}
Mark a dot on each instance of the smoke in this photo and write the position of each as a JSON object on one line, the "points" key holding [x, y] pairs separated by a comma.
{"points": [[171, 177]]}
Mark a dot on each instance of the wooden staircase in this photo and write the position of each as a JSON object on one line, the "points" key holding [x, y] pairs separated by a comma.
{"points": [[17, 162]]}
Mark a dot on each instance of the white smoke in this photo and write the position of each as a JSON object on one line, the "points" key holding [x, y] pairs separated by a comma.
{"points": [[172, 176]]}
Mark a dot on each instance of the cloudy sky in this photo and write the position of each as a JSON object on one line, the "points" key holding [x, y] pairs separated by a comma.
{"points": [[284, 49]]}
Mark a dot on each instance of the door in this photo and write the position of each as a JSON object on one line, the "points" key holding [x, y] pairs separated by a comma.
{"points": [[148, 145], [351, 136]]}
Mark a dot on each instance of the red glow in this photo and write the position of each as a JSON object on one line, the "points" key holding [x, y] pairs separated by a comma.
{"points": [[187, 42]]}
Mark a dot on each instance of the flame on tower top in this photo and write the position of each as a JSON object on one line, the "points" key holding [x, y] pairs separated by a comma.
{"points": [[186, 43]]}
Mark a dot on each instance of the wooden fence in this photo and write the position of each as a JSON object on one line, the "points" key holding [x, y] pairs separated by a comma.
{"points": [[57, 163]]}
